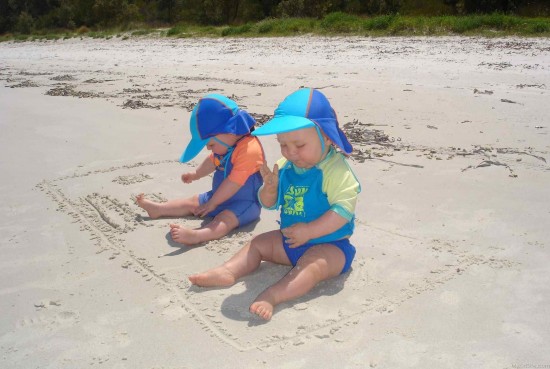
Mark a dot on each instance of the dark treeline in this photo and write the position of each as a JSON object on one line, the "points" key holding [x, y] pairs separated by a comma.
{"points": [[26, 16]]}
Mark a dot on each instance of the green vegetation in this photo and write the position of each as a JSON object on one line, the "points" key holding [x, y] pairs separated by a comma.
{"points": [[54, 19], [389, 25], [333, 24]]}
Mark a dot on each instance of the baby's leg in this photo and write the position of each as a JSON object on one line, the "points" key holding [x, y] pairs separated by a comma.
{"points": [[319, 263], [171, 208], [221, 225], [265, 247]]}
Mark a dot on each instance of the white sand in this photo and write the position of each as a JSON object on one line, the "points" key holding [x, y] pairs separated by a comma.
{"points": [[452, 149]]}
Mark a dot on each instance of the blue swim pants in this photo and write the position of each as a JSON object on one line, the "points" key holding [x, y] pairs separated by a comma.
{"points": [[245, 211], [296, 253]]}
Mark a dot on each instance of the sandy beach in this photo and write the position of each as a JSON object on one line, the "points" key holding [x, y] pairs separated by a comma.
{"points": [[451, 139]]}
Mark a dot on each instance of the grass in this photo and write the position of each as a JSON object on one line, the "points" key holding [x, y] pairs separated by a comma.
{"points": [[386, 25], [332, 24]]}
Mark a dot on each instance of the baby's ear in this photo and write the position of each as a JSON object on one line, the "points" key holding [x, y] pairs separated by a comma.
{"points": [[325, 137]]}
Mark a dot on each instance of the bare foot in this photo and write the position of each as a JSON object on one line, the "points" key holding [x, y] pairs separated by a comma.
{"points": [[264, 309], [153, 209], [188, 237], [217, 277]]}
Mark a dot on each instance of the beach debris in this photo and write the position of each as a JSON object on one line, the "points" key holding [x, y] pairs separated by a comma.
{"points": [[379, 144], [93, 80], [359, 134], [526, 85], [24, 84], [45, 303], [497, 66], [320, 88], [68, 90], [138, 104], [488, 163], [65, 77], [134, 91], [505, 150], [26, 73], [484, 92], [260, 118], [508, 101], [402, 164], [431, 127]]}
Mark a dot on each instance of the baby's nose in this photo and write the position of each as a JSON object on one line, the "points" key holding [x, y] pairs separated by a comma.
{"points": [[293, 153]]}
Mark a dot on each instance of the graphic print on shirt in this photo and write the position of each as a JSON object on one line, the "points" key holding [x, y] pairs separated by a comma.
{"points": [[294, 200]]}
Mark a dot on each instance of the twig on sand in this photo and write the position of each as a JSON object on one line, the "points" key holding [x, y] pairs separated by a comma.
{"points": [[402, 164], [488, 163]]}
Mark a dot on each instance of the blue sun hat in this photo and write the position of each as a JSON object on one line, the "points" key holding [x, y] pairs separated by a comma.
{"points": [[215, 114], [305, 108]]}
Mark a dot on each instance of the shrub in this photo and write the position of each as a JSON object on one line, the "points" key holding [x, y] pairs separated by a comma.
{"points": [[500, 21], [400, 25], [290, 26], [340, 22], [265, 26], [464, 24], [378, 23], [539, 27], [82, 29], [239, 30], [141, 32]]}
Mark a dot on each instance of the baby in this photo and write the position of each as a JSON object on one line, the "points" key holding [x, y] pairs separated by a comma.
{"points": [[217, 123]]}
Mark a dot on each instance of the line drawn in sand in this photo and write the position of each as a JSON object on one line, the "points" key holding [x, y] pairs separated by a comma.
{"points": [[390, 270]]}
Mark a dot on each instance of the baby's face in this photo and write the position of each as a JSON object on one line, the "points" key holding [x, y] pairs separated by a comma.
{"points": [[303, 147]]}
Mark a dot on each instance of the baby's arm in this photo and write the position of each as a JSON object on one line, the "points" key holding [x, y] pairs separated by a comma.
{"points": [[204, 169], [225, 191], [300, 233]]}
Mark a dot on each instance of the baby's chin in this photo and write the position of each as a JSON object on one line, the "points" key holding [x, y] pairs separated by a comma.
{"points": [[302, 165]]}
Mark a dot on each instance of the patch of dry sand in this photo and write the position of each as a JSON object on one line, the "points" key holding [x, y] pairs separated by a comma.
{"points": [[451, 146]]}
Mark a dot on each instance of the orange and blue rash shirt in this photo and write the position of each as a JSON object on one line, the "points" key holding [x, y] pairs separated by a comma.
{"points": [[243, 168]]}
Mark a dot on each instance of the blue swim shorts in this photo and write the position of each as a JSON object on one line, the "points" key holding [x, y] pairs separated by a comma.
{"points": [[245, 211], [296, 253]]}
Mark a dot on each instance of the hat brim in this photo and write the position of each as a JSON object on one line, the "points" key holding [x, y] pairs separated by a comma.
{"points": [[193, 149], [287, 123]]}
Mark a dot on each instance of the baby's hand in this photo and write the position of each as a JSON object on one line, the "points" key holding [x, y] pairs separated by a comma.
{"points": [[204, 209], [188, 177], [271, 179], [296, 235]]}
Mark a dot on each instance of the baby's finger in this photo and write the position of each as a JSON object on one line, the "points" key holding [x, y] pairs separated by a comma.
{"points": [[276, 170], [264, 170]]}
